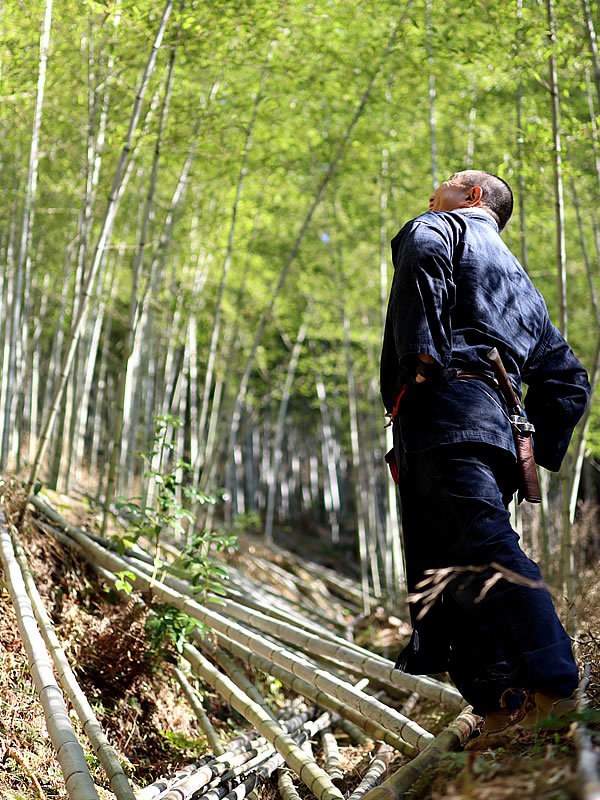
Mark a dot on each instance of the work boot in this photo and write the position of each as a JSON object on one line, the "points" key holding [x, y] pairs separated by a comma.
{"points": [[499, 728], [546, 706]]}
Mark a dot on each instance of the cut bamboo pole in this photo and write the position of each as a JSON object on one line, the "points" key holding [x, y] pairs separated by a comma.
{"points": [[70, 755], [334, 648], [389, 718], [337, 649], [355, 733], [105, 753], [357, 722], [587, 758], [203, 720], [286, 787], [317, 781], [453, 737], [235, 673], [331, 756], [375, 773]]}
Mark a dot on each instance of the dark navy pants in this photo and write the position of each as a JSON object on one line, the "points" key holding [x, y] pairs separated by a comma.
{"points": [[454, 513]]}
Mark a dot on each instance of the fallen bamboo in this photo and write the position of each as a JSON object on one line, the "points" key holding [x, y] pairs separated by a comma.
{"points": [[356, 722], [409, 731], [70, 755], [453, 737], [357, 658], [201, 715], [587, 758], [332, 647], [331, 756], [195, 785], [92, 728], [375, 773], [353, 731], [286, 787], [234, 672], [317, 781]]}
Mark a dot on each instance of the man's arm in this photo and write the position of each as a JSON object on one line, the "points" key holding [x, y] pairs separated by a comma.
{"points": [[423, 293], [558, 391]]}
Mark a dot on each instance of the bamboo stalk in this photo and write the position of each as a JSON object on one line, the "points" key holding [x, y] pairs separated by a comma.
{"points": [[337, 649], [15, 317], [374, 774], [266, 315], [201, 716], [357, 722], [454, 736], [235, 673], [105, 753], [389, 718], [314, 777], [286, 787], [102, 242], [331, 756], [353, 731], [70, 755]]}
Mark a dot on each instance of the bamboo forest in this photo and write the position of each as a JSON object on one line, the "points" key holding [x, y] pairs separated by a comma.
{"points": [[203, 572]]}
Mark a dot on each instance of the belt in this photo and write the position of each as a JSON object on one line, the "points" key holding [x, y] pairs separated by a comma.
{"points": [[460, 374], [476, 376]]}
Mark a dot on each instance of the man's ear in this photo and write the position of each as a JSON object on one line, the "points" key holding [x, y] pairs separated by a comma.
{"points": [[474, 196]]}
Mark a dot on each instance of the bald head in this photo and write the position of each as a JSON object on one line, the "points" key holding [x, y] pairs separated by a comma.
{"points": [[496, 194]]}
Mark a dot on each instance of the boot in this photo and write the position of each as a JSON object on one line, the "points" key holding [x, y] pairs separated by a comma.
{"points": [[546, 706]]}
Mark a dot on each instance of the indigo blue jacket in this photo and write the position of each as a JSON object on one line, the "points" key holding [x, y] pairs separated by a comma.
{"points": [[457, 292]]}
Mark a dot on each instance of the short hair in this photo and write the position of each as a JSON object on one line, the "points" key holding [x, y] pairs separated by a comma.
{"points": [[497, 195]]}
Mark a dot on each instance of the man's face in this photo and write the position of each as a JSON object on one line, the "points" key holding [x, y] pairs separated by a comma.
{"points": [[449, 195]]}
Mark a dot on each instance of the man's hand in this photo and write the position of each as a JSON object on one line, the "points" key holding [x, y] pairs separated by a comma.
{"points": [[426, 359]]}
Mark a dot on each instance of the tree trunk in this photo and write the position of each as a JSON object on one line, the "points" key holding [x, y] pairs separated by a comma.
{"points": [[15, 320], [102, 243]]}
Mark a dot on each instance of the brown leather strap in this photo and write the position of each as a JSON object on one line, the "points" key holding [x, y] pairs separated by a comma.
{"points": [[478, 376]]}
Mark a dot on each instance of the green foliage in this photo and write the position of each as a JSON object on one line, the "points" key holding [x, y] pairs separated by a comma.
{"points": [[164, 518], [172, 497], [170, 624]]}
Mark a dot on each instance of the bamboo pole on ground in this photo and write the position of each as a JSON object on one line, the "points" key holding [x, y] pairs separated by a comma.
{"points": [[334, 648], [355, 719], [105, 753], [331, 756], [70, 755], [314, 777], [409, 731], [453, 737], [374, 774], [203, 720], [235, 673]]}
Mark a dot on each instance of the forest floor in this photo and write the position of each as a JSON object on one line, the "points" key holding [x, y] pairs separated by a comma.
{"points": [[127, 677]]}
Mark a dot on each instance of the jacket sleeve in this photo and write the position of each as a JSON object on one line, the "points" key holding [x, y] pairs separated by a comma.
{"points": [[422, 292], [558, 391]]}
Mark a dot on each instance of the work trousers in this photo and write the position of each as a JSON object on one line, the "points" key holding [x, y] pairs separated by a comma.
{"points": [[454, 513]]}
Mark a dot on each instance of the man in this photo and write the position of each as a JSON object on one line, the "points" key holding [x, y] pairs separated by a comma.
{"points": [[457, 292]]}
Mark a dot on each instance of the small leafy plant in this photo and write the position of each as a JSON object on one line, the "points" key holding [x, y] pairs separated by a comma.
{"points": [[168, 513]]}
